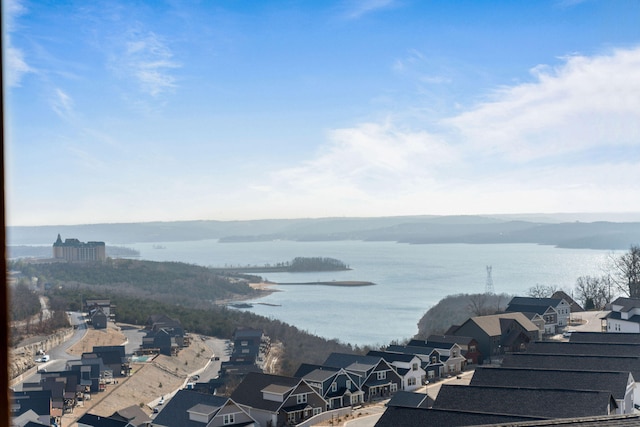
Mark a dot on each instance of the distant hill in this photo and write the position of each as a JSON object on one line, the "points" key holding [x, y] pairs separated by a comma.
{"points": [[537, 229]]}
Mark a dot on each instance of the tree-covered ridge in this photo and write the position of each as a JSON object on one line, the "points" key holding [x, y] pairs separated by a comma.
{"points": [[317, 264], [297, 265], [175, 281]]}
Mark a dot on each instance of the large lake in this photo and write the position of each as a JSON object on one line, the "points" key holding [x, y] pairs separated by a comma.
{"points": [[409, 279]]}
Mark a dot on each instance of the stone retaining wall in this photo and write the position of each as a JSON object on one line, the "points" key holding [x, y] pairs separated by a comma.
{"points": [[22, 359]]}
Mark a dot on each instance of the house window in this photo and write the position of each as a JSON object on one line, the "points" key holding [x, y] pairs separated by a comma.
{"points": [[414, 367], [291, 417], [228, 419], [245, 350], [393, 387], [301, 398], [434, 359], [348, 385], [317, 411], [431, 374], [472, 348], [354, 399], [381, 375], [334, 387], [411, 381], [243, 343]]}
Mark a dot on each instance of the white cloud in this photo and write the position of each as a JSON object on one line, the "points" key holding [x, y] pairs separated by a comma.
{"points": [[587, 103], [148, 60], [567, 141], [62, 104], [15, 64]]}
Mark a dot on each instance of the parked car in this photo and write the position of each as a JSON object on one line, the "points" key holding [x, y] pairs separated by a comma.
{"points": [[161, 401]]}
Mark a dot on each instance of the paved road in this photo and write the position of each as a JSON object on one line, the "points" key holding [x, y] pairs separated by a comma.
{"points": [[58, 354]]}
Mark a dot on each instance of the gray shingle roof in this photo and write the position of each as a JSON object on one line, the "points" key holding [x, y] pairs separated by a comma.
{"points": [[249, 391], [410, 417], [613, 382], [628, 420], [610, 349], [563, 361], [343, 360], [536, 402], [627, 303], [409, 399], [174, 412], [605, 337]]}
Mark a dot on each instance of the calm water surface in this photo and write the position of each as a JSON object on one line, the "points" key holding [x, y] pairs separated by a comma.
{"points": [[409, 279]]}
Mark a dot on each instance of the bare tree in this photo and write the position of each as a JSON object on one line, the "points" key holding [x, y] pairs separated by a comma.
{"points": [[541, 291], [593, 292], [626, 272]]}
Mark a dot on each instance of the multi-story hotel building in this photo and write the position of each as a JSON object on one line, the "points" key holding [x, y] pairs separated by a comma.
{"points": [[75, 250]]}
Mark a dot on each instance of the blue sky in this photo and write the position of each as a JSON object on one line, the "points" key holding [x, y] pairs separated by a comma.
{"points": [[122, 111]]}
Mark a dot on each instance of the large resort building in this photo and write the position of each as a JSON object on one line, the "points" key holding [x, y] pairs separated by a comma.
{"points": [[75, 250]]}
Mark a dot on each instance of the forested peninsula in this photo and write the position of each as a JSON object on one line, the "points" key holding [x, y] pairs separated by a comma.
{"points": [[297, 265]]}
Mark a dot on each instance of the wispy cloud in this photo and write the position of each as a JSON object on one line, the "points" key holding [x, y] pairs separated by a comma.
{"points": [[355, 9], [146, 57], [15, 64], [62, 104], [561, 141]]}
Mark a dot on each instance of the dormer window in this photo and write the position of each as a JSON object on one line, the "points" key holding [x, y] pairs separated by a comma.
{"points": [[334, 387]]}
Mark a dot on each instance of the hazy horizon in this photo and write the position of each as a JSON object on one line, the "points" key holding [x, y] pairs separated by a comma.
{"points": [[120, 112], [539, 216]]}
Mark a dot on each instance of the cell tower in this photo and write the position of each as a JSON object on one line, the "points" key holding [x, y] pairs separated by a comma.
{"points": [[489, 287]]}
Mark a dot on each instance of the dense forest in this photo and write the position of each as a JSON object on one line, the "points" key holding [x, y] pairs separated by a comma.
{"points": [[141, 288]]}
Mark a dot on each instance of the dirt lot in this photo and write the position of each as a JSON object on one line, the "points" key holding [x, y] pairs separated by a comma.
{"points": [[148, 382]]}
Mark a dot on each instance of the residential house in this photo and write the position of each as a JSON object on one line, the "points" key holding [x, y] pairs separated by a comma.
{"points": [[584, 348], [468, 345], [92, 420], [192, 409], [429, 357], [103, 304], [98, 318], [274, 400], [133, 414], [337, 386], [574, 307], [250, 348], [619, 384], [624, 316], [535, 402], [499, 333], [91, 373], [400, 416], [379, 378], [555, 312], [571, 361], [603, 337], [37, 402], [113, 357], [450, 355], [408, 366]]}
